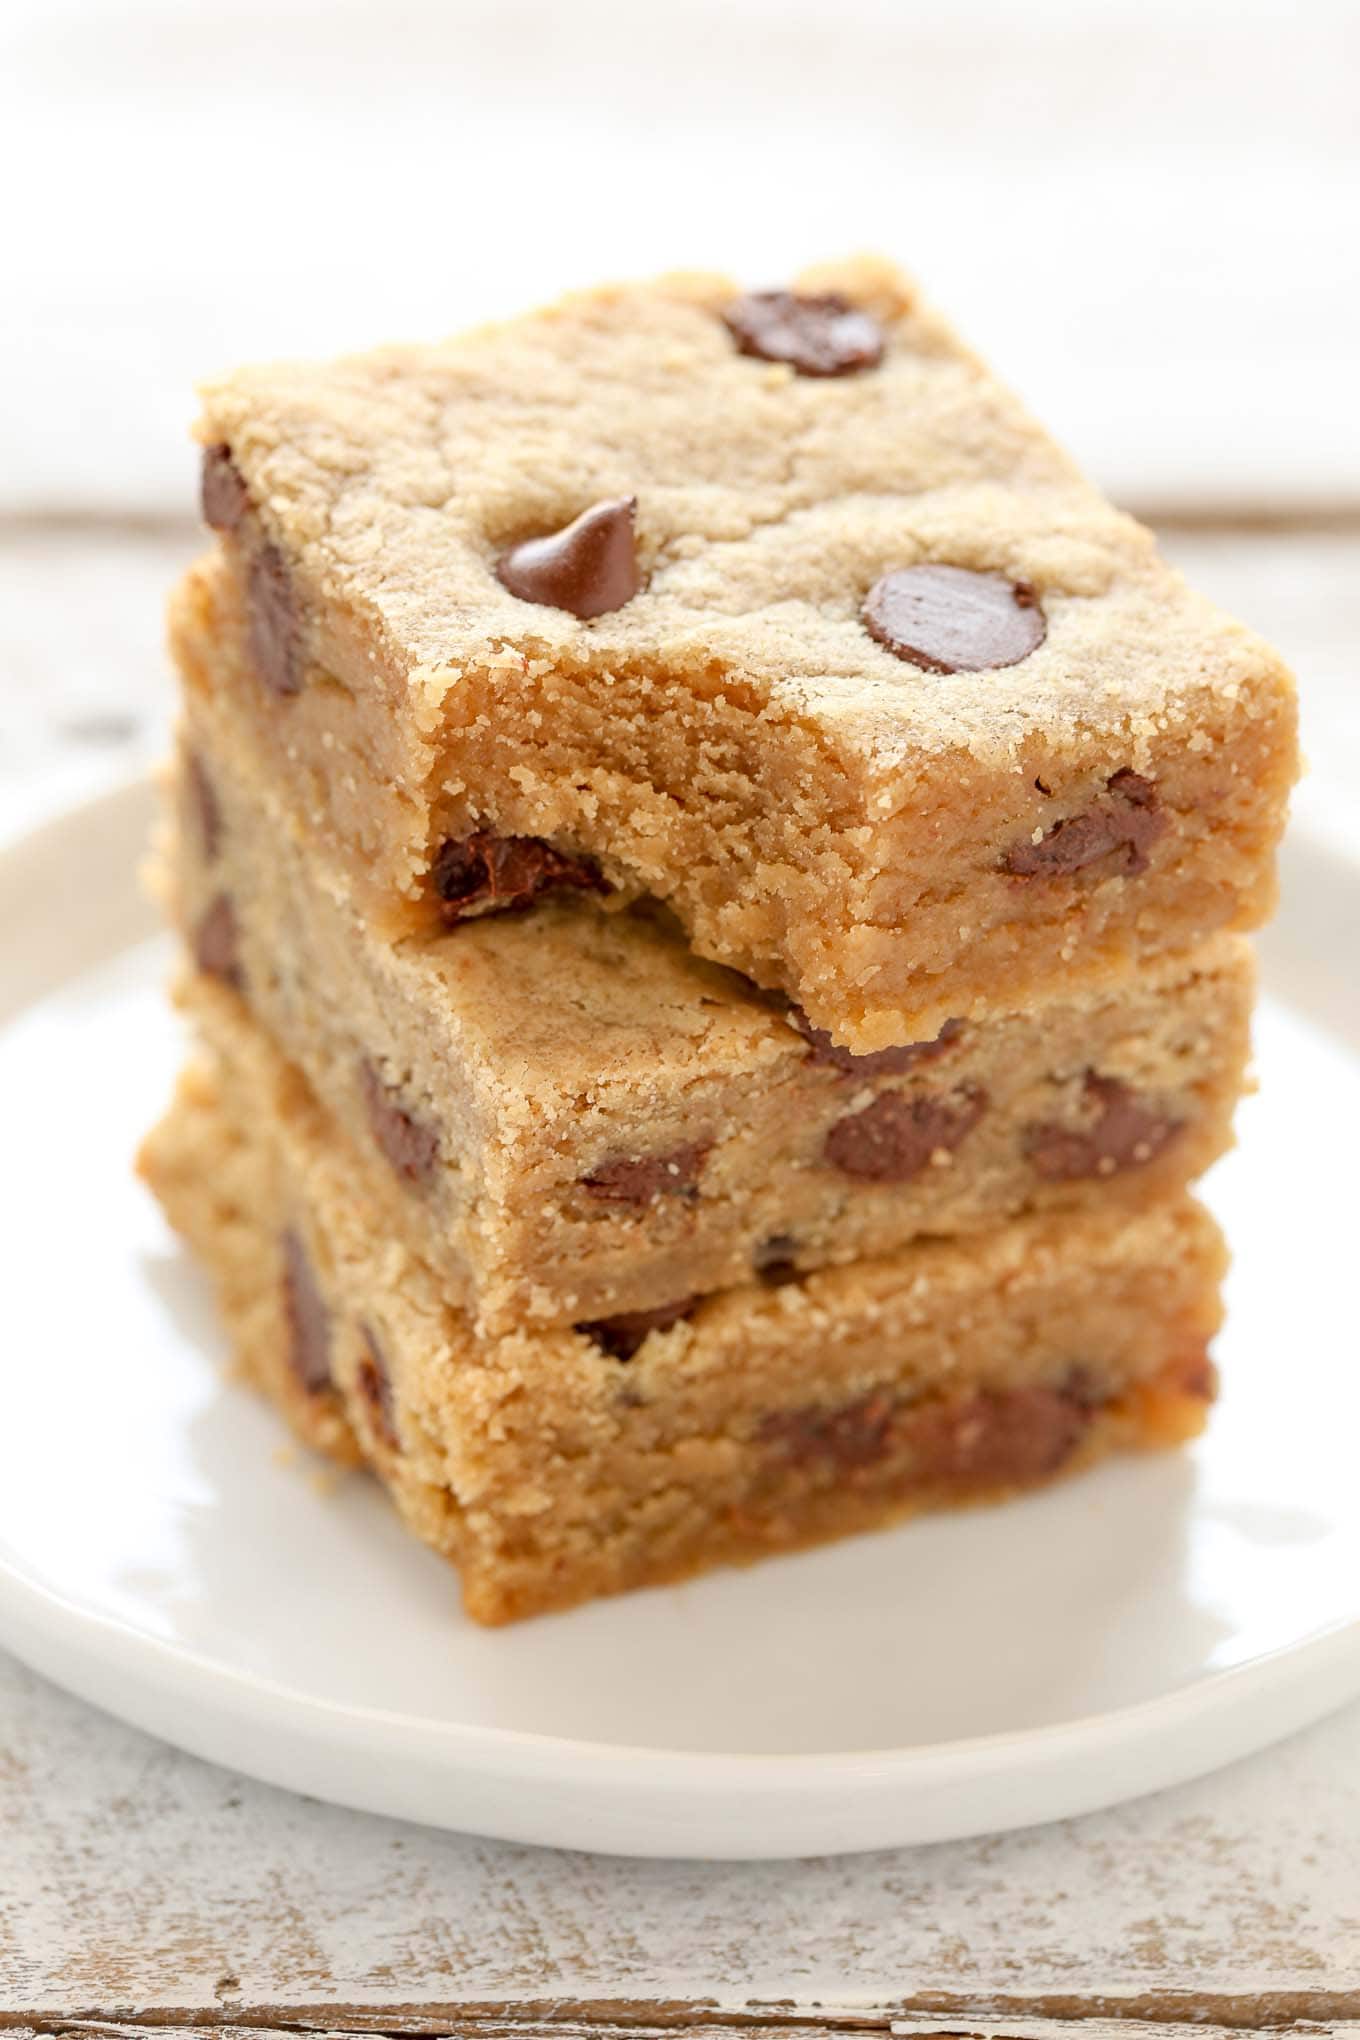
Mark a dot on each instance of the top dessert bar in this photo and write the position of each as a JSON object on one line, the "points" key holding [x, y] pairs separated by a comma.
{"points": [[777, 607]]}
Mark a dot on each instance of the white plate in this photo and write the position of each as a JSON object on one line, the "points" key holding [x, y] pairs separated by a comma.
{"points": [[160, 1554]]}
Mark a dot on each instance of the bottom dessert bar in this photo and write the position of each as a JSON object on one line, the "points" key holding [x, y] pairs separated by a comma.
{"points": [[555, 1466]]}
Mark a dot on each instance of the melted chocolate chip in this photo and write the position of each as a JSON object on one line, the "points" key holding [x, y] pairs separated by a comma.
{"points": [[373, 1381], [622, 1335], [999, 1439], [409, 1144], [819, 335], [773, 1260], [223, 495], [894, 1138], [1123, 1132], [976, 1440], [217, 943], [204, 805], [486, 874], [857, 1434], [1122, 824], [589, 567], [309, 1325], [275, 639], [880, 1062], [641, 1179], [951, 620]]}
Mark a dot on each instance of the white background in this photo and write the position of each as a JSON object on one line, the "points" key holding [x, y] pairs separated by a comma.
{"points": [[1146, 211]]}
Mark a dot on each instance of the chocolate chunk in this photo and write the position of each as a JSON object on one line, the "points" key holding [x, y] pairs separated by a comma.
{"points": [[217, 943], [589, 567], [1122, 824], [815, 334], [1122, 1132], [640, 1179], [622, 1335], [204, 804], [951, 620], [409, 1144], [486, 874], [857, 1434], [275, 640], [222, 491], [880, 1062], [373, 1381], [309, 1324], [773, 1260], [894, 1138]]}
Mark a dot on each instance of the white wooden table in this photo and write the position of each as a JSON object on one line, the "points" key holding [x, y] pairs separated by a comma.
{"points": [[140, 1888]]}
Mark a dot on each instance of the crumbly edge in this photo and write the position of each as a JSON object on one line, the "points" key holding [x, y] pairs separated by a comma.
{"points": [[884, 914]]}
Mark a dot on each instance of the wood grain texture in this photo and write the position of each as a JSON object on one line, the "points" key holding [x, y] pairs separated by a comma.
{"points": [[141, 1888], [136, 1877]]}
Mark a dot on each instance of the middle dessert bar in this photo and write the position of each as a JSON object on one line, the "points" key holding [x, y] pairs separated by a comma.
{"points": [[573, 1118]]}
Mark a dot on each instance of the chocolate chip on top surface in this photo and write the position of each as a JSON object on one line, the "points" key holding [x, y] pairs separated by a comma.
{"points": [[815, 334], [589, 567], [952, 620]]}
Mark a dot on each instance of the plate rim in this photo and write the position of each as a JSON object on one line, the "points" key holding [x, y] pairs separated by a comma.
{"points": [[1294, 1683]]}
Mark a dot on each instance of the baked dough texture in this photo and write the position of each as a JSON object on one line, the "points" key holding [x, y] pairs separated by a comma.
{"points": [[831, 818]]}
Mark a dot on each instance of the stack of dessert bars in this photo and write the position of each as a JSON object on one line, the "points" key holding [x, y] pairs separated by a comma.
{"points": [[708, 859]]}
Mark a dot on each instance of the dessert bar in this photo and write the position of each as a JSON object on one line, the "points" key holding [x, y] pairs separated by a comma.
{"points": [[774, 607], [573, 1117], [555, 1465]]}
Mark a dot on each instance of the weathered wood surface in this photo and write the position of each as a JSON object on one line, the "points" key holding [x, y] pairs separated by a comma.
{"points": [[139, 1887]]}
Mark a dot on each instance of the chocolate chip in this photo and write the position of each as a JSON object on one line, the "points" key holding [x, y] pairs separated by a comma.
{"points": [[994, 1439], [894, 1138], [641, 1179], [217, 943], [1122, 824], [486, 874], [222, 491], [205, 806], [309, 1324], [409, 1144], [275, 644], [589, 567], [622, 1335], [373, 1381], [881, 1062], [1122, 1132], [774, 1262], [1194, 1374], [982, 1439], [822, 334], [951, 620], [857, 1434]]}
